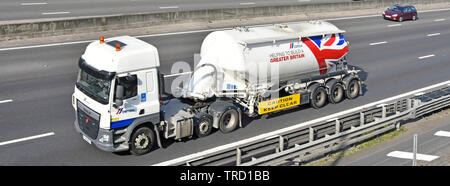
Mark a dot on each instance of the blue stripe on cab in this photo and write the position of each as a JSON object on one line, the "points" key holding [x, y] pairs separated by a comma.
{"points": [[122, 123]]}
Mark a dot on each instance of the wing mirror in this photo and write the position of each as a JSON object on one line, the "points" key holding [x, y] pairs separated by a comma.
{"points": [[119, 95]]}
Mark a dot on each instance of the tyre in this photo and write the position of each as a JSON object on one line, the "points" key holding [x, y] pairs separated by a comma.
{"points": [[204, 126], [142, 141], [400, 19], [319, 97], [414, 17], [336, 93], [352, 89], [229, 120]]}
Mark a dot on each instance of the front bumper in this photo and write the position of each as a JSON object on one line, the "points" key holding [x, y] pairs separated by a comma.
{"points": [[106, 145], [390, 17]]}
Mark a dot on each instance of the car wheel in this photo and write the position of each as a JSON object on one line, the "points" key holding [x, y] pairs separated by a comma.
{"points": [[414, 17], [400, 19]]}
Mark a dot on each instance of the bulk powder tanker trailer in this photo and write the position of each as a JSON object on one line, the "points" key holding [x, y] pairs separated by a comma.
{"points": [[253, 71]]}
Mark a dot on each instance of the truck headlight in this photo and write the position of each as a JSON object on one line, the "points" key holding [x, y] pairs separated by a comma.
{"points": [[104, 138]]}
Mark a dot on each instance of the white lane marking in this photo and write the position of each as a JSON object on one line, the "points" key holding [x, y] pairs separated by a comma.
{"points": [[409, 155], [427, 56], [54, 13], [27, 138], [193, 31], [284, 130], [179, 74], [435, 10], [435, 34], [168, 7], [46, 45], [250, 3], [379, 43], [442, 133], [31, 4], [437, 20], [6, 101], [303, 0], [394, 25], [352, 17]]}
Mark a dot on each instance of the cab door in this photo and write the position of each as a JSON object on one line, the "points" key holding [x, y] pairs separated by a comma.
{"points": [[123, 115]]}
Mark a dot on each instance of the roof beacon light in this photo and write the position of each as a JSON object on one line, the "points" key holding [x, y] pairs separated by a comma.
{"points": [[118, 47], [102, 39]]}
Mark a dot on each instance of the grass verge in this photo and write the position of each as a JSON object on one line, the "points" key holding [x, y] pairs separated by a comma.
{"points": [[328, 160]]}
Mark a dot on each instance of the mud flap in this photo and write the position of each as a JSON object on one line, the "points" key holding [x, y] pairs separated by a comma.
{"points": [[158, 139]]}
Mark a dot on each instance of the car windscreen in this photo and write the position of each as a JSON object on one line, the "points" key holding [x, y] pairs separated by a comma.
{"points": [[395, 8]]}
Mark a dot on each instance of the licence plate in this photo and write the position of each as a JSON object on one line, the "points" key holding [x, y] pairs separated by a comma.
{"points": [[87, 139]]}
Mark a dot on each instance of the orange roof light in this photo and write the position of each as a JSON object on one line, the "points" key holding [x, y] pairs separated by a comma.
{"points": [[102, 39], [118, 47]]}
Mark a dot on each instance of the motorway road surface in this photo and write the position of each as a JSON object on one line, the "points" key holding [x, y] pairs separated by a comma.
{"points": [[36, 85], [34, 9]]}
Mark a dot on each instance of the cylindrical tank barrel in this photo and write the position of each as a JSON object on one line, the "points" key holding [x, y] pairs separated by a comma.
{"points": [[261, 55]]}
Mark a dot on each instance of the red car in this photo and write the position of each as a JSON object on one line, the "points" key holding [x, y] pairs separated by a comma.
{"points": [[400, 13]]}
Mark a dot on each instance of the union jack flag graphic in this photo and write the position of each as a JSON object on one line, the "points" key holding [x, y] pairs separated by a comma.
{"points": [[327, 49]]}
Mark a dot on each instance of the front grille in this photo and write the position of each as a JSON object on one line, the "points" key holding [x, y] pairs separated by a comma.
{"points": [[88, 120]]}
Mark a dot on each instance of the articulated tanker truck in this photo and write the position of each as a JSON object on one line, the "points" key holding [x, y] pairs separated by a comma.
{"points": [[253, 71]]}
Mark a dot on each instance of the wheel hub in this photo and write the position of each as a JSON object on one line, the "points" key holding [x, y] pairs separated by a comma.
{"points": [[141, 142], [203, 127]]}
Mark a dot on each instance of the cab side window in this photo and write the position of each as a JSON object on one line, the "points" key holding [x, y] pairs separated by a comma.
{"points": [[130, 85]]}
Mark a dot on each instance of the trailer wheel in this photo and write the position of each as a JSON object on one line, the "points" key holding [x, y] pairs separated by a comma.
{"points": [[352, 90], [319, 97], [229, 120], [142, 141], [204, 127], [336, 93]]}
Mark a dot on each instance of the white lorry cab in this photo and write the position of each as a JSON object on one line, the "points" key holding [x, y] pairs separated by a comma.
{"points": [[117, 86], [119, 89]]}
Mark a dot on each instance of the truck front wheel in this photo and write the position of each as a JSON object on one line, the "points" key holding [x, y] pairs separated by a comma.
{"points": [[142, 141], [229, 120]]}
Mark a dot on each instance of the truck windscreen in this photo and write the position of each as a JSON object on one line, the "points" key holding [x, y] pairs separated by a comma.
{"points": [[96, 88]]}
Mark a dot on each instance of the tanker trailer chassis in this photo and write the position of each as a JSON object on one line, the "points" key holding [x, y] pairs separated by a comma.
{"points": [[225, 111]]}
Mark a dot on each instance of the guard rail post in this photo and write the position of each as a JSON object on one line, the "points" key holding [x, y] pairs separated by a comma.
{"points": [[361, 118], [311, 134], [238, 156], [281, 143], [338, 127]]}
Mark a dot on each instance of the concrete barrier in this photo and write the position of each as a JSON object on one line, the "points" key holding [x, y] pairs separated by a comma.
{"points": [[68, 26]]}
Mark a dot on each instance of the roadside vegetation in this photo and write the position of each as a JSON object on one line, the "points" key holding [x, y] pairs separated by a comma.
{"points": [[328, 160]]}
